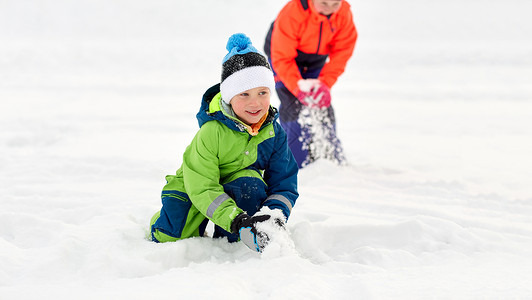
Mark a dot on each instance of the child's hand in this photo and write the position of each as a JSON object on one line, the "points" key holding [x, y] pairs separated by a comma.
{"points": [[323, 96], [245, 225], [313, 93]]}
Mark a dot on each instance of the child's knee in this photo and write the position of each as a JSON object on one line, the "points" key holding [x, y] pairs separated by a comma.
{"points": [[156, 235], [247, 190], [176, 220]]}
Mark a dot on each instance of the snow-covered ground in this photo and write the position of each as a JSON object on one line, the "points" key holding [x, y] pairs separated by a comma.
{"points": [[98, 101]]}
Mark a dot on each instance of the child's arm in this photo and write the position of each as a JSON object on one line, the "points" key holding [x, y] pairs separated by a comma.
{"points": [[284, 44], [340, 50], [281, 175], [201, 174]]}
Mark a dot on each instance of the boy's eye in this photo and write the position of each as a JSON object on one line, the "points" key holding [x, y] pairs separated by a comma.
{"points": [[244, 94]]}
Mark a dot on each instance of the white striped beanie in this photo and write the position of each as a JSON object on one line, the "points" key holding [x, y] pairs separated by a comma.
{"points": [[244, 68]]}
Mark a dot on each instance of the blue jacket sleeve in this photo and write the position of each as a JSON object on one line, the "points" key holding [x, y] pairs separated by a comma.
{"points": [[281, 175]]}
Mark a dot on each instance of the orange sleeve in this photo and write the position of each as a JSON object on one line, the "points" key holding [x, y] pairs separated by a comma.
{"points": [[284, 42], [340, 49]]}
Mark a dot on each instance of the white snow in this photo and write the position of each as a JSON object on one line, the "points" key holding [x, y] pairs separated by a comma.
{"points": [[98, 102]]}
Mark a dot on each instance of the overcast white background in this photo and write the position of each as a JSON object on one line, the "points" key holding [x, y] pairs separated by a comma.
{"points": [[98, 102]]}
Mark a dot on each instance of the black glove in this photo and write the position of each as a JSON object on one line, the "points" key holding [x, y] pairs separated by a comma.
{"points": [[244, 225]]}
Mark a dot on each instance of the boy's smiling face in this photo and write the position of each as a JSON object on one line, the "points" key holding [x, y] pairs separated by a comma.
{"points": [[251, 105]]}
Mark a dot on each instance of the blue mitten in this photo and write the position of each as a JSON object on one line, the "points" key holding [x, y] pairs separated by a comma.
{"points": [[245, 226]]}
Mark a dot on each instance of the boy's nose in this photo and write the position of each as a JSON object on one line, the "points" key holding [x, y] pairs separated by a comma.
{"points": [[254, 100]]}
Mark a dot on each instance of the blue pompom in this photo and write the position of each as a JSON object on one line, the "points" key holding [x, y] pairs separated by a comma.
{"points": [[239, 41], [240, 44]]}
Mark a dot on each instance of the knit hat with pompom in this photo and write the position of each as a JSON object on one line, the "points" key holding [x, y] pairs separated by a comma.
{"points": [[244, 68]]}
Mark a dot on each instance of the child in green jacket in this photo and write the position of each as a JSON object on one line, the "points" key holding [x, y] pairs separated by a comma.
{"points": [[237, 164]]}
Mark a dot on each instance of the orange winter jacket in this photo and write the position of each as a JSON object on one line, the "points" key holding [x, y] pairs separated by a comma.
{"points": [[301, 39]]}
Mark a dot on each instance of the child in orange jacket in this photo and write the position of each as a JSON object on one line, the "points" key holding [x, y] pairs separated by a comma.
{"points": [[308, 45]]}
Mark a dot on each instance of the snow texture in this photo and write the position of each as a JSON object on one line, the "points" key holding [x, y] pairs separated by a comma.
{"points": [[319, 136], [98, 102]]}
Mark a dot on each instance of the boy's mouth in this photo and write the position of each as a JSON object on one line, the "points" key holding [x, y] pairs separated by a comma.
{"points": [[254, 112]]}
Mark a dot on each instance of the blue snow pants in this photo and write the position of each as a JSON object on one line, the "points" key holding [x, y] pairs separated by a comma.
{"points": [[248, 192]]}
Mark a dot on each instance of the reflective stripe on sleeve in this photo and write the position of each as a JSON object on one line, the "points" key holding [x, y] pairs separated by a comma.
{"points": [[216, 203], [281, 198]]}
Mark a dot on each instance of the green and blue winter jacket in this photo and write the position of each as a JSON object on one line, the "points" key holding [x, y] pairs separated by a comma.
{"points": [[222, 150]]}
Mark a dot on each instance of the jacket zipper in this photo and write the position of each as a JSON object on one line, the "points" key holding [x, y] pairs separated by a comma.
{"points": [[319, 40]]}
